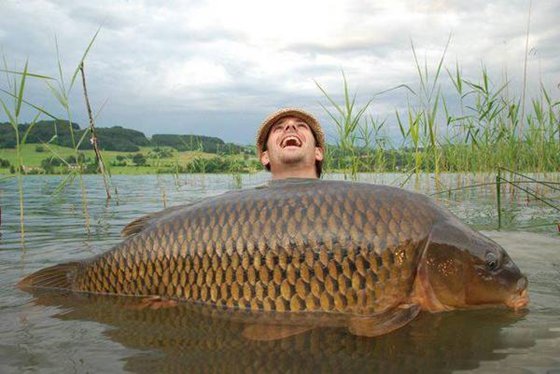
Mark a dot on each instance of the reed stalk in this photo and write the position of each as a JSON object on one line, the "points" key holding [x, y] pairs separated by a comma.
{"points": [[16, 90], [94, 140], [524, 88], [347, 119], [61, 93], [483, 133], [499, 197]]}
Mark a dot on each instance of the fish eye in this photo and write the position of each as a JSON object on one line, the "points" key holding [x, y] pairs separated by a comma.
{"points": [[491, 262]]}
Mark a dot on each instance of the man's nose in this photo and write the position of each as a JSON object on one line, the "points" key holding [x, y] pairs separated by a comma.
{"points": [[290, 127]]}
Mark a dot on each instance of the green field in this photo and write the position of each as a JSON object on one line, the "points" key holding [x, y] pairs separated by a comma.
{"points": [[170, 161]]}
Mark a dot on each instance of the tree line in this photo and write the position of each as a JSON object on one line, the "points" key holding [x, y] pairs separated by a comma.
{"points": [[114, 138]]}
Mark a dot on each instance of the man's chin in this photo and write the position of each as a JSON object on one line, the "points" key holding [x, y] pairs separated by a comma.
{"points": [[292, 158]]}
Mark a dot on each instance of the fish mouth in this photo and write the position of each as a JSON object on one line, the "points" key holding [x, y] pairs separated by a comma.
{"points": [[291, 141], [519, 301]]}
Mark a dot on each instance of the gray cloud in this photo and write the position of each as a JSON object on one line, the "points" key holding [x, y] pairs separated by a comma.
{"points": [[211, 67]]}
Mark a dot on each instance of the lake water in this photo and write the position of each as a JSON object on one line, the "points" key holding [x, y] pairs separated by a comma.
{"points": [[56, 333]]}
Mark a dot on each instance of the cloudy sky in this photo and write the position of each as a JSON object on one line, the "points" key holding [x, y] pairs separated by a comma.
{"points": [[218, 67]]}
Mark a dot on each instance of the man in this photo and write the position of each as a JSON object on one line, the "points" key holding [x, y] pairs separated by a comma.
{"points": [[291, 144]]}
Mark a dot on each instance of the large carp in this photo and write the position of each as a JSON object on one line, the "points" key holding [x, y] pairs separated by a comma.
{"points": [[304, 253]]}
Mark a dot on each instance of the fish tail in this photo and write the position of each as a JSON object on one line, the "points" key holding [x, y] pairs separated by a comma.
{"points": [[59, 276]]}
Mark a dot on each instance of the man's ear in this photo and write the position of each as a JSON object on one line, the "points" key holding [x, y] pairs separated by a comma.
{"points": [[319, 154], [265, 160]]}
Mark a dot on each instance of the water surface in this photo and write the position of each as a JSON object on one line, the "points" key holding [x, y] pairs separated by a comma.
{"points": [[52, 332]]}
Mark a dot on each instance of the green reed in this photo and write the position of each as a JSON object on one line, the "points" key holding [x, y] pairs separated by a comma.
{"points": [[347, 119], [474, 127], [16, 90], [533, 188], [61, 91]]}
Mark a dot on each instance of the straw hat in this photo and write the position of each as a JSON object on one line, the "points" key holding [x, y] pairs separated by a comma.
{"points": [[312, 122]]}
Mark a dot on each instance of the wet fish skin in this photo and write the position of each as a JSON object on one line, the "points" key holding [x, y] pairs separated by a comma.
{"points": [[467, 269], [349, 249], [285, 249]]}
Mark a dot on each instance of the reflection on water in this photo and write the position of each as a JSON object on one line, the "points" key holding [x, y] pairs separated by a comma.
{"points": [[50, 331], [190, 338]]}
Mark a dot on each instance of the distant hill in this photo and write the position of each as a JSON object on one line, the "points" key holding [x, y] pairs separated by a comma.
{"points": [[111, 139], [43, 131], [114, 138], [195, 143]]}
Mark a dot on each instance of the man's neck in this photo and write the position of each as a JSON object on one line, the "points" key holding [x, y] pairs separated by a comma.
{"points": [[295, 173]]}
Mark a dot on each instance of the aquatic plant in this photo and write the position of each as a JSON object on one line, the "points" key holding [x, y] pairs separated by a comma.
{"points": [[476, 127], [16, 90], [346, 118], [94, 141], [531, 190], [61, 92]]}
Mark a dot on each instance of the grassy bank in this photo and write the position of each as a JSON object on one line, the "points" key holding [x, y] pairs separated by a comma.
{"points": [[54, 159]]}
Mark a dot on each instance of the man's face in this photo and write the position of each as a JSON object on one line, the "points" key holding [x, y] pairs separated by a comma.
{"points": [[290, 141]]}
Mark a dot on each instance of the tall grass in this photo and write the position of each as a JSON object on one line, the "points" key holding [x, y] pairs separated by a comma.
{"points": [[16, 90], [474, 127], [60, 90], [347, 119], [62, 93]]}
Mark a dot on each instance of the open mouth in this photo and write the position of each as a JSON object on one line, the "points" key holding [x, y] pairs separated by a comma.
{"points": [[519, 301], [290, 141]]}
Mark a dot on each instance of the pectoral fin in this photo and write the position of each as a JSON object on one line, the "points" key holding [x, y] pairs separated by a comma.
{"points": [[383, 323], [152, 302], [273, 332]]}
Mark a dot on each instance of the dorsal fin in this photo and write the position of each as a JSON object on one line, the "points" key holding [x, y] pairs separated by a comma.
{"points": [[141, 223]]}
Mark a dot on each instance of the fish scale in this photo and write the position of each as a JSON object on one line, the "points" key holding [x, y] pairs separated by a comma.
{"points": [[295, 246]]}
